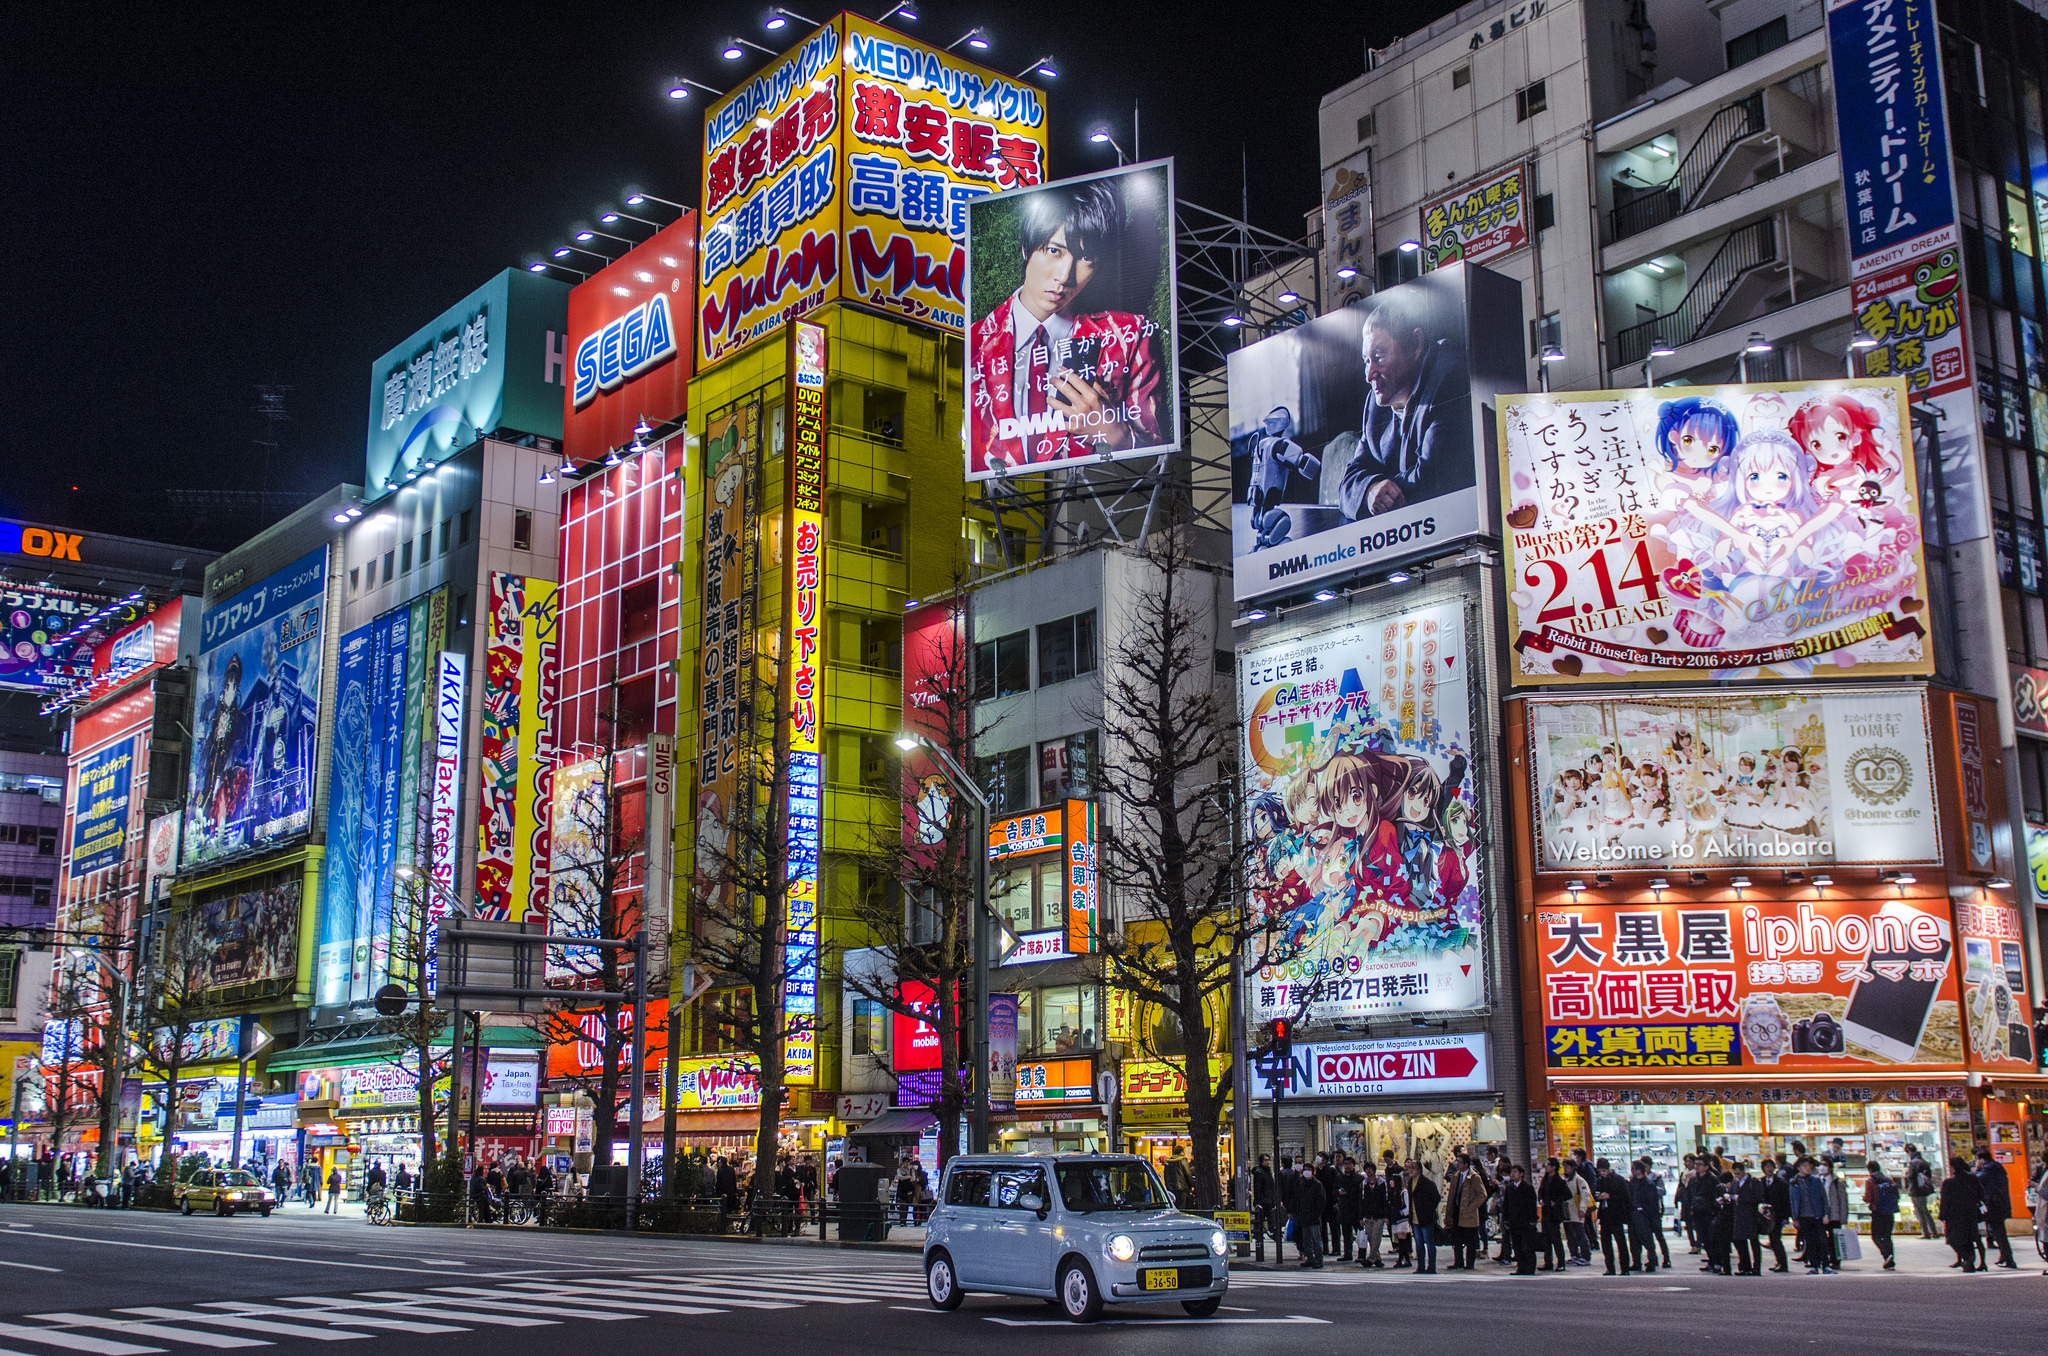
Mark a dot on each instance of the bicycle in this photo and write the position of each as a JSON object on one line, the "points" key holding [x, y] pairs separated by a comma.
{"points": [[377, 1208], [517, 1209]]}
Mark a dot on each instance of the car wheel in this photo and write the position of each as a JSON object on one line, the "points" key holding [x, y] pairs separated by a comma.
{"points": [[220, 1207], [185, 1206], [264, 1211], [940, 1283], [1079, 1298], [1202, 1308]]}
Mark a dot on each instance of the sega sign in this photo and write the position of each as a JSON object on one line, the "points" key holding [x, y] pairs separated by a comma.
{"points": [[1421, 1064], [624, 349], [623, 343]]}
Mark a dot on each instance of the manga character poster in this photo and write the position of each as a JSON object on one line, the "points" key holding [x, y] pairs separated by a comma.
{"points": [[1365, 821], [1726, 532], [1072, 353], [250, 936], [258, 707]]}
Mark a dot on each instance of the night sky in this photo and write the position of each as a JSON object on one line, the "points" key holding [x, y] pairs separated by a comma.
{"points": [[204, 201]]}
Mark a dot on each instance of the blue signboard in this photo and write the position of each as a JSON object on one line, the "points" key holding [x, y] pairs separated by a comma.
{"points": [[1886, 57], [99, 807], [258, 705], [349, 781], [496, 359]]}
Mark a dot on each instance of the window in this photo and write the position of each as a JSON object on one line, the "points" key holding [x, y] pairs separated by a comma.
{"points": [[1368, 125], [389, 556], [1226, 662], [870, 1022], [1529, 101], [522, 530], [1066, 767], [1399, 266], [10, 977], [426, 547], [1002, 667], [46, 846], [1747, 47], [405, 556], [967, 1186], [1031, 897], [1058, 1020], [1005, 780], [462, 536], [639, 611], [1012, 1185], [1461, 77], [355, 580], [446, 524], [1546, 211], [462, 609], [1066, 648], [2034, 780], [1542, 333]]}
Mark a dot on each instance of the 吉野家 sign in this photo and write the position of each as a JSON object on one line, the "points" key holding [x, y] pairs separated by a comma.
{"points": [[1072, 353], [1824, 776], [1055, 1080], [1732, 531], [1356, 438]]}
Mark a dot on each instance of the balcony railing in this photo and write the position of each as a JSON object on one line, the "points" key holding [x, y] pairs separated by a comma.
{"points": [[1747, 248], [1653, 206]]}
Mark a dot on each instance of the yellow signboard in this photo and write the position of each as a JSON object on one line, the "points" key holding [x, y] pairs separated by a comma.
{"points": [[843, 172]]}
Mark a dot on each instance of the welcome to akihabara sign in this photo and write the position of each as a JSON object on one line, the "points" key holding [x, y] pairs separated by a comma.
{"points": [[843, 172]]}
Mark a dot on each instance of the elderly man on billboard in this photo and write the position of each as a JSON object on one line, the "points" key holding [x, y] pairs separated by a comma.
{"points": [[1060, 381], [1413, 443]]}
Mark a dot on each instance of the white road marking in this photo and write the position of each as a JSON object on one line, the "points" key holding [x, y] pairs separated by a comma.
{"points": [[75, 1341], [323, 1316], [29, 1266], [248, 1324], [129, 1327], [222, 1252], [1292, 1320]]}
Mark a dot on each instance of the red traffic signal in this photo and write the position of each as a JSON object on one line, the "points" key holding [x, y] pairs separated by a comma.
{"points": [[1282, 1040]]}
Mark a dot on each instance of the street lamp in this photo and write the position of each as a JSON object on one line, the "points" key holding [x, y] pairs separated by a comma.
{"points": [[1861, 341], [1100, 135], [680, 89], [1551, 354], [975, 37], [1658, 349], [1044, 66], [1758, 342], [909, 741]]}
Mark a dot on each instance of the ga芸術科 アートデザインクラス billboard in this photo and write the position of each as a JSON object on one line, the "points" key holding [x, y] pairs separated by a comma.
{"points": [[1356, 439], [1731, 531], [1364, 823], [1071, 352]]}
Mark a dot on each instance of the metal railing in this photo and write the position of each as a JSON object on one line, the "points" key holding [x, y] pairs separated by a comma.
{"points": [[1653, 206], [1746, 248]]}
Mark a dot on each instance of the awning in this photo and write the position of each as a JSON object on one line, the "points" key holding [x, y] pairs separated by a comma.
{"points": [[897, 1123]]}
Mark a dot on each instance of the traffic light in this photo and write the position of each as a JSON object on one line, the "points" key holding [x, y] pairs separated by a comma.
{"points": [[1282, 1043]]}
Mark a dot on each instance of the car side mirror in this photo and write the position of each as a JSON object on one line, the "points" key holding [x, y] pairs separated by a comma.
{"points": [[1031, 1200]]}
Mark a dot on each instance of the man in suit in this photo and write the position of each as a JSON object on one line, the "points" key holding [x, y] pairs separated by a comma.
{"points": [[1645, 1202], [1415, 439], [1616, 1206], [1997, 1205], [1747, 1196], [1051, 379], [1777, 1186], [1518, 1218]]}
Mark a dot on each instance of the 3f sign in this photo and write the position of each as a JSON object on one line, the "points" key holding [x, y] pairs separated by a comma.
{"points": [[21, 540]]}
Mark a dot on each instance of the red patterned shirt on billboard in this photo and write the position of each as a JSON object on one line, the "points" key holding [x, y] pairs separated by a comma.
{"points": [[1364, 870], [1729, 531], [1119, 346]]}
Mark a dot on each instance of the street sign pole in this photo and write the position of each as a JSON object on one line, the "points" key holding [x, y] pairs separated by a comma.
{"points": [[634, 1147]]}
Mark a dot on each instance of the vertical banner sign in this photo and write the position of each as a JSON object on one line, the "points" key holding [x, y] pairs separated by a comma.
{"points": [[517, 756], [163, 858], [1905, 255], [1002, 1052], [373, 913], [1082, 895], [348, 778], [725, 659], [803, 687], [1347, 231], [539, 685], [451, 683], [1970, 739], [99, 808], [657, 900]]}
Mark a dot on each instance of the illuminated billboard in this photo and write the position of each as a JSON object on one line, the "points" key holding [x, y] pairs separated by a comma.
{"points": [[1726, 532], [629, 342], [842, 171], [1072, 353], [517, 750], [803, 699], [1356, 439]]}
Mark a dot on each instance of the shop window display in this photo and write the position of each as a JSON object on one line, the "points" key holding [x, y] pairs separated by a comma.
{"points": [[1430, 1139]]}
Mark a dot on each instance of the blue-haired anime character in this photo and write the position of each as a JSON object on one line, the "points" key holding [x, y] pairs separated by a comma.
{"points": [[1694, 436]]}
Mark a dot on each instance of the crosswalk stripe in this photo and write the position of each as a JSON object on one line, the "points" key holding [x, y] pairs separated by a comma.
{"points": [[352, 1320], [74, 1341], [503, 1299], [154, 1330], [247, 1324], [625, 1291], [724, 1293], [806, 1285], [650, 1305], [804, 1294], [460, 1310]]}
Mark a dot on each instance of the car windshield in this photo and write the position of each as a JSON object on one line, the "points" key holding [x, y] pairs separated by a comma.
{"points": [[237, 1179], [1126, 1185]]}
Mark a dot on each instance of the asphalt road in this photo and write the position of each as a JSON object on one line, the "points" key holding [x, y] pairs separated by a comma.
{"points": [[86, 1283]]}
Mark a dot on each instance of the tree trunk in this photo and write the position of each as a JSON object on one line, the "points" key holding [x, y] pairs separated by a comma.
{"points": [[1202, 1103]]}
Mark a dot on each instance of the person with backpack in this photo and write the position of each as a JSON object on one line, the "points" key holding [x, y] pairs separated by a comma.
{"points": [[1881, 1195], [1919, 1187]]}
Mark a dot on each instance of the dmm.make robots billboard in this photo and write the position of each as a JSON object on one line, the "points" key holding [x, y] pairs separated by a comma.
{"points": [[843, 171]]}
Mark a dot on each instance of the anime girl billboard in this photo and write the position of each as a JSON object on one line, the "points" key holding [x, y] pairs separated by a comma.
{"points": [[1736, 531], [1364, 817]]}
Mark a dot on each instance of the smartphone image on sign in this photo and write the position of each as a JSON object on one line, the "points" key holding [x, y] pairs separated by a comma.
{"points": [[1889, 1015]]}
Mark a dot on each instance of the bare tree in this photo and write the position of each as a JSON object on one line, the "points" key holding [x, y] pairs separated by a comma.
{"points": [[180, 1003], [71, 1082], [920, 917], [1169, 843], [597, 871], [421, 1029]]}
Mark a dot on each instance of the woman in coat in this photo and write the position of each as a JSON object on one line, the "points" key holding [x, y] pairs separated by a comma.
{"points": [[1962, 1207]]}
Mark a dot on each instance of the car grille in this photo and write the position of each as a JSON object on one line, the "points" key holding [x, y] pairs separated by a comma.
{"points": [[1174, 1252]]}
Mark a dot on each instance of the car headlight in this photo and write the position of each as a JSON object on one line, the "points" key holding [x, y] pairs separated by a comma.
{"points": [[1122, 1248], [1219, 1243]]}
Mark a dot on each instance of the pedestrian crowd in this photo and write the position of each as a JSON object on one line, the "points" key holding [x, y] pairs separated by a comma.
{"points": [[1731, 1213]]}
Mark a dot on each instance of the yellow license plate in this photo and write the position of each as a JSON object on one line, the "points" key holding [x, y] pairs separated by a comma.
{"points": [[1162, 1278]]}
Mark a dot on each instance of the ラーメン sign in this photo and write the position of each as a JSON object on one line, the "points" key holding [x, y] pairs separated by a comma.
{"points": [[1729, 531], [1739, 778]]}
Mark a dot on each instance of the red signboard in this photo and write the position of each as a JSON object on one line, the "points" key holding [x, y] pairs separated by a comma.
{"points": [[629, 343], [915, 1044], [585, 1054]]}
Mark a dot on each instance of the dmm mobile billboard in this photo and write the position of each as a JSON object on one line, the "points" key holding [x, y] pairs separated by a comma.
{"points": [[1359, 439], [496, 359], [629, 342], [258, 708], [843, 172]]}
